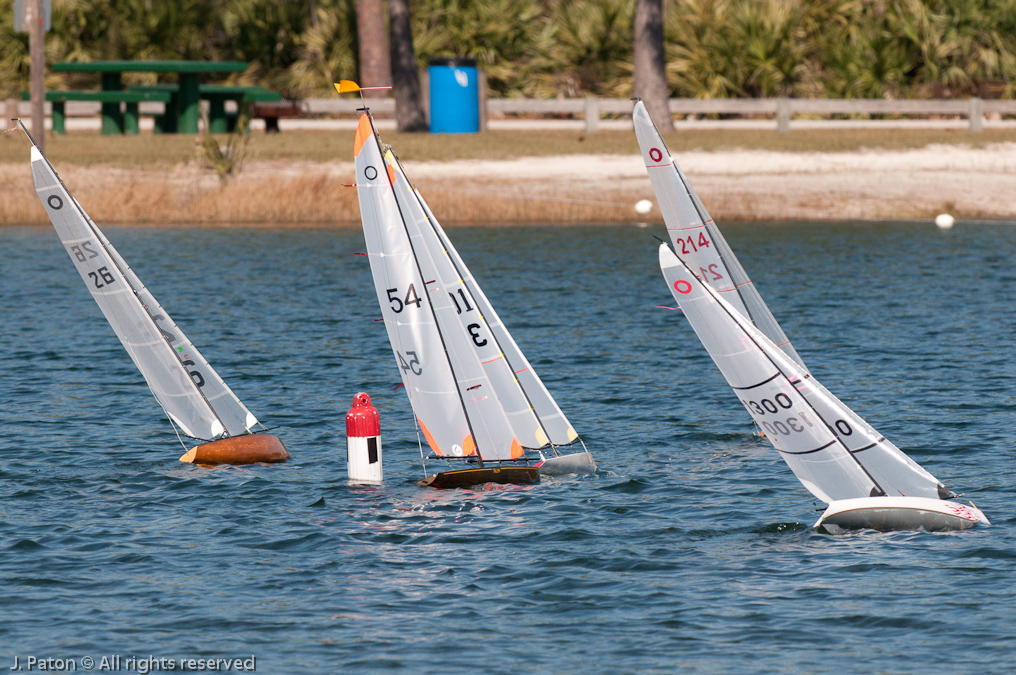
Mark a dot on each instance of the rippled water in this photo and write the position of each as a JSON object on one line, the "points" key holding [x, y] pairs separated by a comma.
{"points": [[689, 551]]}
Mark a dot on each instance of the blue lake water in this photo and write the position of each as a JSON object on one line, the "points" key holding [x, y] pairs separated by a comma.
{"points": [[689, 551]]}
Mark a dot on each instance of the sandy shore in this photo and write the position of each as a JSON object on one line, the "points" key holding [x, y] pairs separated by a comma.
{"points": [[734, 185]]}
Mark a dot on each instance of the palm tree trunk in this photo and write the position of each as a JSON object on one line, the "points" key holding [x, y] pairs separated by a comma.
{"points": [[649, 80], [408, 104], [375, 69]]}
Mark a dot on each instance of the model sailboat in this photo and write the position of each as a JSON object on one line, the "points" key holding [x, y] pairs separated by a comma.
{"points": [[194, 397], [866, 480], [477, 400]]}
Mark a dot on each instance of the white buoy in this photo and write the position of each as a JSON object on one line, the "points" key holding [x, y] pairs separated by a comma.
{"points": [[944, 221], [643, 207], [363, 442]]}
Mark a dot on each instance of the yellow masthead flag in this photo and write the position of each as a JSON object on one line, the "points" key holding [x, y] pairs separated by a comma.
{"points": [[346, 86]]}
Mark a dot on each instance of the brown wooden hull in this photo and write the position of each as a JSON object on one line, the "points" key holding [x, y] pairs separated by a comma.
{"points": [[246, 449], [465, 477]]}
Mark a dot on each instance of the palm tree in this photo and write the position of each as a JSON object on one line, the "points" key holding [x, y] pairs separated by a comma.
{"points": [[408, 104], [375, 68], [649, 79]]}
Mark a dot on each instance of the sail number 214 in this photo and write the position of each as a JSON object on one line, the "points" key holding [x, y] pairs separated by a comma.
{"points": [[689, 245]]}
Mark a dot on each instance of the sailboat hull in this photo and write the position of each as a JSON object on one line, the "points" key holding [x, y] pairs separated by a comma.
{"points": [[887, 514], [519, 475], [579, 462], [246, 449]]}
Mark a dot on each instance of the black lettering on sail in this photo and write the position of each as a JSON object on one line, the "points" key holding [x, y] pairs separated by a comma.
{"points": [[165, 333]]}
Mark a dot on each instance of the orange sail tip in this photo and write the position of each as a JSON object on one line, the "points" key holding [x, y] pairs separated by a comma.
{"points": [[391, 174], [517, 450], [346, 86], [363, 132], [430, 439]]}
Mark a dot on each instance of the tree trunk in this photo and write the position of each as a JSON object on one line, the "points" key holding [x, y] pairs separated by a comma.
{"points": [[408, 103], [375, 69], [649, 80], [37, 72]]}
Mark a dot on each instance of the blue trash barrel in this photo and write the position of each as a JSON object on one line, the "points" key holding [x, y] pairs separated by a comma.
{"points": [[454, 96]]}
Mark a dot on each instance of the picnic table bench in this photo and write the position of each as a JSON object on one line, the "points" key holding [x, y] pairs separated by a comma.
{"points": [[130, 118]]}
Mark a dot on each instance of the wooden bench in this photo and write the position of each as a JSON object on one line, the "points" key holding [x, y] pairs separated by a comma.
{"points": [[126, 122], [270, 112]]}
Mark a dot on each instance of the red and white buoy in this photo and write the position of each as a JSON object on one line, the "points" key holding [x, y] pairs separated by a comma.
{"points": [[363, 441]]}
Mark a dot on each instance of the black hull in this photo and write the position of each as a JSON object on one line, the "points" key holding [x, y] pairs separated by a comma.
{"points": [[513, 475]]}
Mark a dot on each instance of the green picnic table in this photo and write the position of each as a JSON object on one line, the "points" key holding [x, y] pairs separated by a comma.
{"points": [[219, 122], [188, 96]]}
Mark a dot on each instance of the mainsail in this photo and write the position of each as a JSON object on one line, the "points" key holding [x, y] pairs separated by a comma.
{"points": [[193, 395], [535, 415], [833, 452], [556, 427], [695, 236], [446, 380]]}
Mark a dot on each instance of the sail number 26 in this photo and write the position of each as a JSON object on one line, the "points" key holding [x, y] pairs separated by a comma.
{"points": [[84, 251]]}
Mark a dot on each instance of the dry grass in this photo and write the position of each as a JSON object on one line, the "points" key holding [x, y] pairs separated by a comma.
{"points": [[297, 177], [147, 150]]}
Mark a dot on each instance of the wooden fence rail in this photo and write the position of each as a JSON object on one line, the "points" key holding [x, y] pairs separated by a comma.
{"points": [[781, 109], [592, 109]]}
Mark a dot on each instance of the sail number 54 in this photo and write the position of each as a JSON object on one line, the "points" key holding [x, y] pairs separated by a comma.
{"points": [[410, 366], [398, 303]]}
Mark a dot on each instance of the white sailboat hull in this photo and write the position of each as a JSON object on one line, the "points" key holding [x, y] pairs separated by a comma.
{"points": [[899, 513], [578, 462]]}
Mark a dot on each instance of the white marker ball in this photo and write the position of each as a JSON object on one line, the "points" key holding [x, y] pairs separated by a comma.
{"points": [[944, 221], [643, 207]]}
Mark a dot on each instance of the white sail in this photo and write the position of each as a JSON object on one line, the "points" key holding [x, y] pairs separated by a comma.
{"points": [[189, 390], [447, 385], [695, 236], [834, 453], [553, 423], [473, 335]]}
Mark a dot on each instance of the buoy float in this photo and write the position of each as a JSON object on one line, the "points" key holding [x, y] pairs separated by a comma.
{"points": [[246, 449], [363, 441], [643, 207]]}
